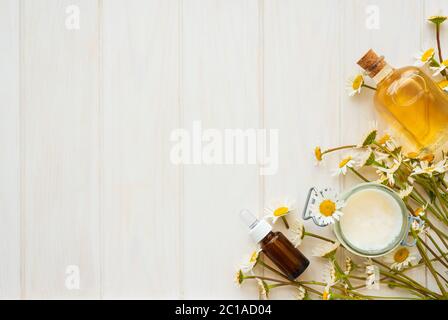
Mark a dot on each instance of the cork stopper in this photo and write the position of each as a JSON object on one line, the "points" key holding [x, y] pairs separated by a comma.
{"points": [[372, 63]]}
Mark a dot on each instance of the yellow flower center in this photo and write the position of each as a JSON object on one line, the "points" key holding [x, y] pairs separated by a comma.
{"points": [[445, 63], [412, 155], [327, 208], [357, 82], [326, 295], [401, 255], [254, 256], [417, 212], [443, 84], [281, 211], [344, 162], [427, 54], [384, 139], [428, 157], [437, 19], [318, 153]]}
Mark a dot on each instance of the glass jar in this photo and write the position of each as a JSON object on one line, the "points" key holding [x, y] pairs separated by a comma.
{"points": [[401, 239]]}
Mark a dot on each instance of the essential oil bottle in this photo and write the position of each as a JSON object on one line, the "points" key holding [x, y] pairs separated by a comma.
{"points": [[276, 246], [411, 102]]}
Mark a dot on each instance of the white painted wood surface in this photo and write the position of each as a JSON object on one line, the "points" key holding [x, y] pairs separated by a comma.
{"points": [[9, 151], [86, 117]]}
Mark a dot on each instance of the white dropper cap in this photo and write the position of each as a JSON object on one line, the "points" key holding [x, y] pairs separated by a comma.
{"points": [[258, 229]]}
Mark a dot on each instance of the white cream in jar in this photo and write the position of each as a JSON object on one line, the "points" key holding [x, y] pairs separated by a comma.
{"points": [[372, 220]]}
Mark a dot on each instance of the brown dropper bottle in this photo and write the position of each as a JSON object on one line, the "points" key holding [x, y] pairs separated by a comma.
{"points": [[276, 246]]}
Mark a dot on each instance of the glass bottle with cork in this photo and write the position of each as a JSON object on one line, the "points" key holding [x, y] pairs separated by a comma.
{"points": [[411, 102]]}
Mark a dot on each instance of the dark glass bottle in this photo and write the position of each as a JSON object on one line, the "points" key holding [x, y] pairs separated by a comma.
{"points": [[284, 255], [276, 246]]}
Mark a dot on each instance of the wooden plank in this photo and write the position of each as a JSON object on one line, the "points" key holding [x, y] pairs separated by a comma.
{"points": [[220, 41], [431, 8], [141, 187], [390, 28], [301, 96], [374, 25], [9, 151], [60, 149]]}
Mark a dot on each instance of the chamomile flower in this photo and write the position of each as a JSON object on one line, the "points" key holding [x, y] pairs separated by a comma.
{"points": [[347, 162], [251, 261], [443, 85], [298, 230], [412, 155], [406, 191], [330, 274], [364, 156], [301, 293], [437, 19], [318, 154], [354, 84], [263, 288], [326, 250], [326, 295], [239, 277], [349, 265], [420, 211], [387, 141], [425, 168], [381, 177], [390, 171], [279, 208], [383, 139], [380, 156], [372, 276], [423, 57], [428, 157], [437, 70], [400, 258], [326, 208]]}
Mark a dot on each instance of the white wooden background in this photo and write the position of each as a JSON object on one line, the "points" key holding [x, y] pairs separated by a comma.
{"points": [[86, 115]]}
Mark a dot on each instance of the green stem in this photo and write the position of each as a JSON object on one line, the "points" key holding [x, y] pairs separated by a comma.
{"points": [[441, 237], [273, 270], [437, 247], [368, 87], [432, 252], [439, 49], [285, 222], [435, 229], [359, 175], [439, 197], [339, 270], [430, 267], [339, 148], [413, 291], [318, 237], [403, 278]]}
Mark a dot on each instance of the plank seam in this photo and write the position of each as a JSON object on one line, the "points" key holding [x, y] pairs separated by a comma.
{"points": [[100, 146], [181, 289], [261, 103], [22, 172]]}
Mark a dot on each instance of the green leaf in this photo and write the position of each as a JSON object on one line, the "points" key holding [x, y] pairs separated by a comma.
{"points": [[432, 196], [371, 159], [369, 139]]}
